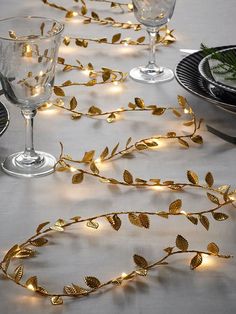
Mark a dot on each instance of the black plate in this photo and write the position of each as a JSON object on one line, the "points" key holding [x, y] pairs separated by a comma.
{"points": [[4, 118], [188, 76]]}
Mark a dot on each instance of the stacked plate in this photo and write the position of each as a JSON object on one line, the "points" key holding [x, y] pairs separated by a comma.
{"points": [[195, 74]]}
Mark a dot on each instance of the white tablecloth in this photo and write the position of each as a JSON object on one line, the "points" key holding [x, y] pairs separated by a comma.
{"points": [[105, 253]]}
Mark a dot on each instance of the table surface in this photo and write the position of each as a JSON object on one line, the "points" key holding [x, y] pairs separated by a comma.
{"points": [[105, 253]]}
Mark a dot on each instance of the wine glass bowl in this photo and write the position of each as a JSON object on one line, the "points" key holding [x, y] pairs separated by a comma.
{"points": [[28, 54], [153, 14]]}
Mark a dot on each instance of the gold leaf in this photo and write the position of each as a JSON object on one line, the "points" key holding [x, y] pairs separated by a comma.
{"points": [[226, 194], [80, 290], [111, 118], [66, 40], [127, 176], [94, 168], [204, 221], [139, 102], [69, 290], [193, 219], [219, 216], [73, 103], [67, 68], [176, 113], [12, 34], [183, 142], [175, 206], [57, 228], [24, 253], [18, 272], [94, 15], [77, 178], [158, 111], [58, 91], [94, 110], [88, 156], [76, 218], [41, 226], [76, 116], [163, 214], [56, 300], [128, 142], [92, 224], [209, 179], [169, 250], [67, 83], [116, 38], [134, 220], [92, 282], [214, 199], [213, 248], [181, 243], [32, 282], [39, 242], [192, 177], [115, 149], [114, 221], [104, 153], [60, 222], [144, 219], [141, 39], [42, 290], [60, 60], [69, 15], [182, 101], [92, 83], [141, 146], [140, 261], [197, 139], [196, 261], [189, 123], [106, 76], [131, 105], [83, 10]]}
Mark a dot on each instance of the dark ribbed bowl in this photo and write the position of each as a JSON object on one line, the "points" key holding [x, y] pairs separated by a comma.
{"points": [[4, 118], [188, 76]]}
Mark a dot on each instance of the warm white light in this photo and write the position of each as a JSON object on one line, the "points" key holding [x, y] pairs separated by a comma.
{"points": [[208, 261], [183, 212], [74, 13], [73, 169], [116, 83], [123, 275], [186, 111], [41, 73], [129, 22], [86, 72], [98, 160], [31, 287]]}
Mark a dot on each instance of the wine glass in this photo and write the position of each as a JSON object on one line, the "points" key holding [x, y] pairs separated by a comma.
{"points": [[28, 53], [153, 14]]}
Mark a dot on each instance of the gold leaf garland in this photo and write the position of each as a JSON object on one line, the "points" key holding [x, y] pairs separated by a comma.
{"points": [[93, 17], [142, 265], [164, 37]]}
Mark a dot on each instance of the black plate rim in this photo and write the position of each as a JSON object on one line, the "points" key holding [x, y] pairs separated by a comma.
{"points": [[209, 97], [4, 108], [201, 67]]}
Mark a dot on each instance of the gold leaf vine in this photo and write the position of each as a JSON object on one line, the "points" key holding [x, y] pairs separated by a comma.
{"points": [[94, 17], [93, 284]]}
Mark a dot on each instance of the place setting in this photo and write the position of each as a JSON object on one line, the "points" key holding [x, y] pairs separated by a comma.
{"points": [[186, 173]]}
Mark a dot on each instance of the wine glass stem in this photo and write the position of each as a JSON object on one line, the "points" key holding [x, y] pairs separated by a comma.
{"points": [[152, 32], [29, 140]]}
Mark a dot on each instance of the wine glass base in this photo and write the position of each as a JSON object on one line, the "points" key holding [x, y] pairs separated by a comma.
{"points": [[151, 78], [41, 168]]}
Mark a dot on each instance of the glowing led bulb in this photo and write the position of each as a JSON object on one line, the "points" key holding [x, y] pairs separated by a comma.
{"points": [[123, 275], [73, 169], [74, 13], [115, 83], [31, 287], [186, 111], [98, 160]]}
